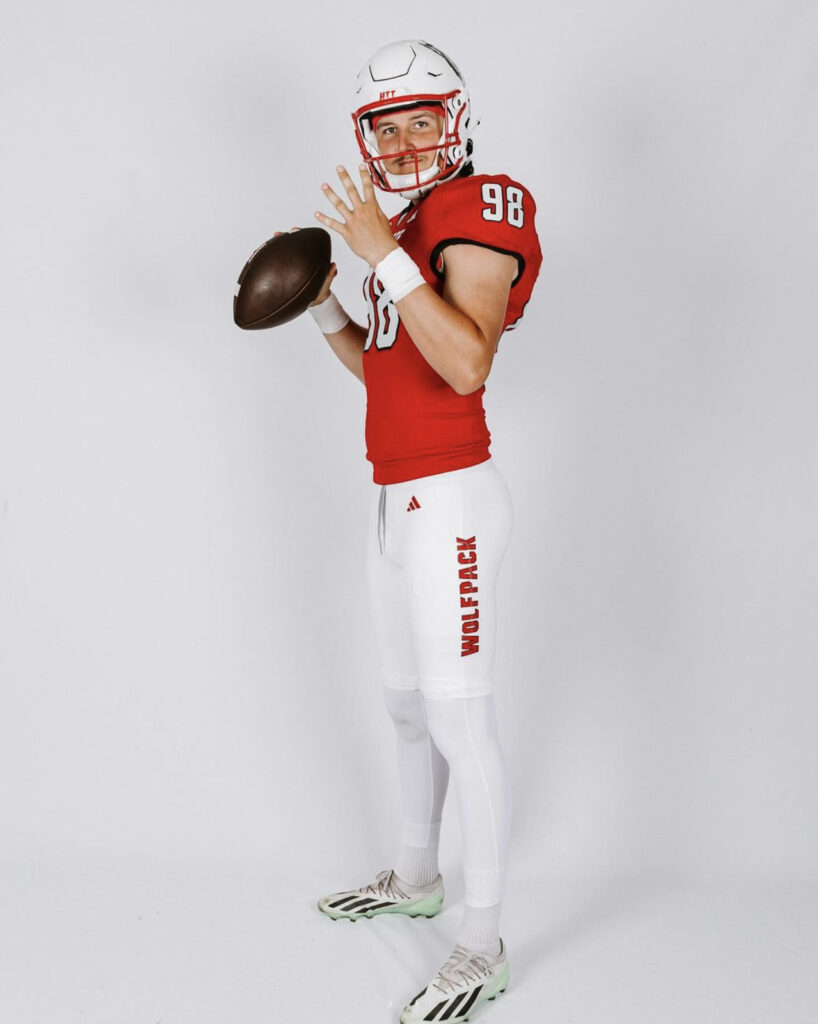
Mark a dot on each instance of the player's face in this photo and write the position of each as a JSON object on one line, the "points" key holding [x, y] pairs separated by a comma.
{"points": [[402, 130]]}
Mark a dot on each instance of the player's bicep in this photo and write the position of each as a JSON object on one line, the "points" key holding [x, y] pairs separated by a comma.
{"points": [[478, 282]]}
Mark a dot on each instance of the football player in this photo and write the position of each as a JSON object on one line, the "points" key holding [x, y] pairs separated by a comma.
{"points": [[447, 276]]}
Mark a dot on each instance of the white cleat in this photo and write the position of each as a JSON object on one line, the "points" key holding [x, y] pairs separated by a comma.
{"points": [[463, 983], [384, 896]]}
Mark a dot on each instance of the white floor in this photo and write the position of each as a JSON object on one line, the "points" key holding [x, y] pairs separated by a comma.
{"points": [[141, 946]]}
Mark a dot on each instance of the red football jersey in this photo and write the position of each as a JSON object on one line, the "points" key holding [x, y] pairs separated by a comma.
{"points": [[416, 423]]}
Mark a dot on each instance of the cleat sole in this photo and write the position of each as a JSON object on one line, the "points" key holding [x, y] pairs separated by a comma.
{"points": [[378, 913]]}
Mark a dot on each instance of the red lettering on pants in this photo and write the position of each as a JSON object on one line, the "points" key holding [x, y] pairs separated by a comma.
{"points": [[470, 620]]}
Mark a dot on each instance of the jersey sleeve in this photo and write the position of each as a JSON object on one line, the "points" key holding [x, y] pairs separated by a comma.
{"points": [[495, 212]]}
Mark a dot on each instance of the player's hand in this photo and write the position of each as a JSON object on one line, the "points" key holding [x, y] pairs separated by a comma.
{"points": [[364, 227], [323, 295], [326, 287]]}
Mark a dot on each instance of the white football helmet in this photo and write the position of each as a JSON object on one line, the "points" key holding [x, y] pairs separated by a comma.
{"points": [[408, 74]]}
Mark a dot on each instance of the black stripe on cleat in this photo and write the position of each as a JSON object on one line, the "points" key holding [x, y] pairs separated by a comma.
{"points": [[423, 993], [378, 906], [365, 902], [342, 901], [433, 1013], [470, 1001], [453, 1005]]}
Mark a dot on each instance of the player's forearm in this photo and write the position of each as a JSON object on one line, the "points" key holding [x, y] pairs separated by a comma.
{"points": [[448, 340], [348, 345]]}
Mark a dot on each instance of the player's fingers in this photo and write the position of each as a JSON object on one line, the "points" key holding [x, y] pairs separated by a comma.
{"points": [[336, 201], [349, 185], [294, 229], [367, 184], [334, 225]]}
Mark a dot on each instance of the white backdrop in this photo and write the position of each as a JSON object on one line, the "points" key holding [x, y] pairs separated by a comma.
{"points": [[188, 679]]}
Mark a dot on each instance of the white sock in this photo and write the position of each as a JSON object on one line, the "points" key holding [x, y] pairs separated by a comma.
{"points": [[480, 929], [417, 865]]}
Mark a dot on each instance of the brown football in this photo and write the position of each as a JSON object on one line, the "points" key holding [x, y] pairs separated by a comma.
{"points": [[282, 278]]}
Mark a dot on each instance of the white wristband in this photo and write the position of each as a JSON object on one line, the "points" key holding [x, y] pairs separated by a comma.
{"points": [[330, 315], [399, 274]]}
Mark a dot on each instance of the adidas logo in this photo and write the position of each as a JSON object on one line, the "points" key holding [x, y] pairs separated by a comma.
{"points": [[413, 504]]}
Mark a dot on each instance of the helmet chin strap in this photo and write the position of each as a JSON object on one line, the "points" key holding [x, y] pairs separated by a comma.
{"points": [[414, 186], [410, 182]]}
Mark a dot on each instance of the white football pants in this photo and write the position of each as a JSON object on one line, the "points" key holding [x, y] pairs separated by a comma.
{"points": [[434, 553]]}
